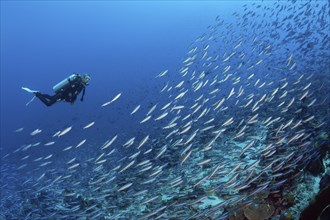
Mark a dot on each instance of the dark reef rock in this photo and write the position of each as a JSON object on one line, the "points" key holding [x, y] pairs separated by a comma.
{"points": [[325, 181], [324, 148], [315, 167], [319, 205], [325, 215]]}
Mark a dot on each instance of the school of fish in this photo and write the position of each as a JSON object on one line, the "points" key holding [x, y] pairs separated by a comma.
{"points": [[242, 117]]}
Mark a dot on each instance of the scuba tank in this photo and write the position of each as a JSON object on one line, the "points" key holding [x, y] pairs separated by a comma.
{"points": [[64, 84]]}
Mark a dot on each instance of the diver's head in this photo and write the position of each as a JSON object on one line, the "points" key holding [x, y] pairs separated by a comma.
{"points": [[85, 78]]}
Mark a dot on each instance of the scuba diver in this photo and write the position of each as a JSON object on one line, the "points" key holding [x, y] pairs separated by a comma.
{"points": [[67, 90]]}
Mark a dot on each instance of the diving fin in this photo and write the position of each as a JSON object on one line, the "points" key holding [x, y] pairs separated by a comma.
{"points": [[29, 90], [30, 101]]}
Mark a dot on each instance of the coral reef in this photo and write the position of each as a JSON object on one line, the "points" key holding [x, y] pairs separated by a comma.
{"points": [[258, 211]]}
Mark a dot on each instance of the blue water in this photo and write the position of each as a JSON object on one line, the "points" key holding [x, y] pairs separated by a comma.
{"points": [[122, 45]]}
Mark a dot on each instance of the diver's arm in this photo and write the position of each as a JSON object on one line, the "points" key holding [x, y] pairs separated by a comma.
{"points": [[83, 94]]}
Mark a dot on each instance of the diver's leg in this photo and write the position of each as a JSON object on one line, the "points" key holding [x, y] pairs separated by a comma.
{"points": [[47, 96], [46, 99], [55, 98]]}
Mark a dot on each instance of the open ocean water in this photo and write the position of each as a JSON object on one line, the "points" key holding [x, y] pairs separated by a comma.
{"points": [[194, 110]]}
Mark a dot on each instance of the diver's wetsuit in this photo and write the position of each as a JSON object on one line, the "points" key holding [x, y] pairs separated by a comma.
{"points": [[69, 94]]}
